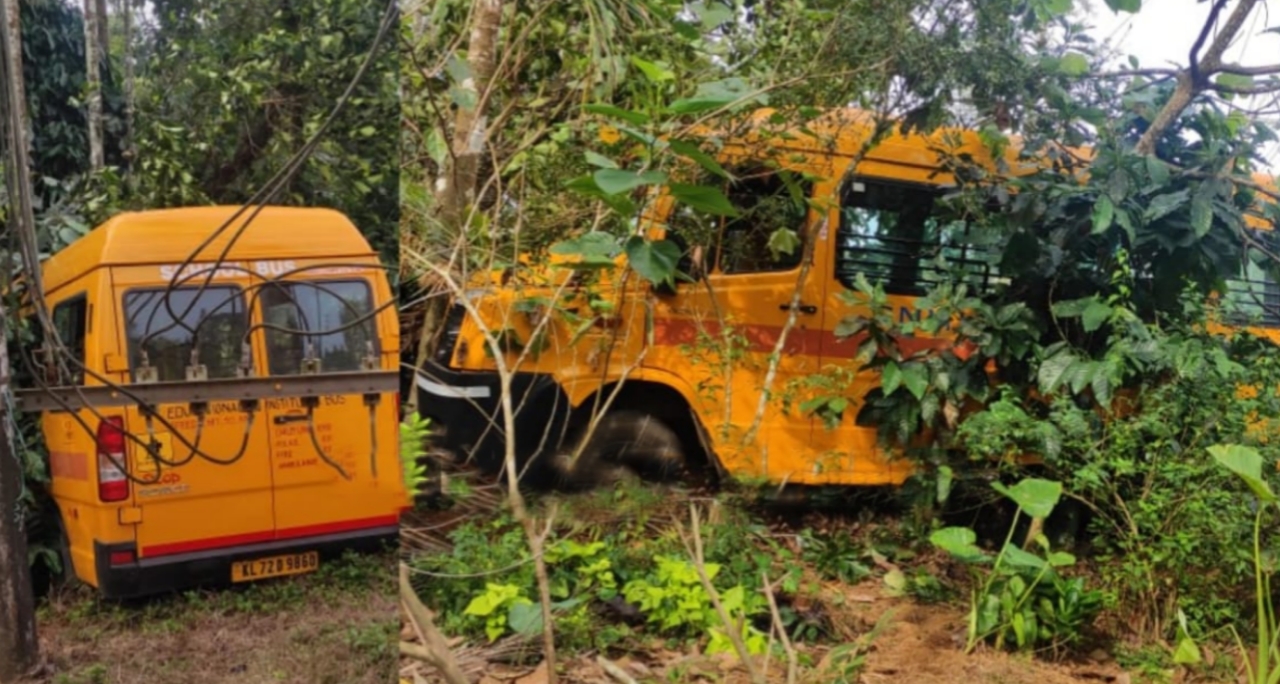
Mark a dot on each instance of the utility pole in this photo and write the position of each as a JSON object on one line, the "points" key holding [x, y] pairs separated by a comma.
{"points": [[19, 647]]}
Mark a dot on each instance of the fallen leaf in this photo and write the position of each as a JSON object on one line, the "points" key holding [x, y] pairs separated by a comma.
{"points": [[538, 676]]}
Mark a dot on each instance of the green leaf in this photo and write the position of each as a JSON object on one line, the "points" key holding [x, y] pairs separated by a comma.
{"points": [[1165, 204], [1201, 213], [1187, 652], [1072, 308], [599, 160], [1158, 171], [890, 378], [783, 241], [597, 243], [1245, 462], [896, 581], [586, 185], [1035, 496], [1061, 559], [1234, 81], [525, 618], [714, 15], [702, 198], [1073, 64], [945, 478], [915, 377], [1104, 212], [614, 181], [654, 260], [811, 405], [1095, 315], [1058, 8], [655, 72], [1016, 557], [691, 151], [1131, 6], [1126, 223], [713, 95], [1053, 369], [960, 542], [634, 118]]}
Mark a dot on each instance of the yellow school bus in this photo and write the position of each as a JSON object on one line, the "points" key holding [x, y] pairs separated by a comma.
{"points": [[681, 370], [194, 492]]}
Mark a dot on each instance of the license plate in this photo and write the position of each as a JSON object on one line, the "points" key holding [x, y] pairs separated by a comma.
{"points": [[274, 566]]}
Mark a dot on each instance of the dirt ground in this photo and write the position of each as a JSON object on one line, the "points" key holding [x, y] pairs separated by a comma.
{"points": [[915, 644], [337, 626]]}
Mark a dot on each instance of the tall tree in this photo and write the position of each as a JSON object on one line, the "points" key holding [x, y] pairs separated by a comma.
{"points": [[93, 45], [19, 647], [457, 187], [13, 42]]}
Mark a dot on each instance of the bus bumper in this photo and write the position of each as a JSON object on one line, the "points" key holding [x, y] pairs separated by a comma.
{"points": [[465, 411], [165, 574]]}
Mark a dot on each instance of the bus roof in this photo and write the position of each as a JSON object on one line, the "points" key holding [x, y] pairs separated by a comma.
{"points": [[169, 236]]}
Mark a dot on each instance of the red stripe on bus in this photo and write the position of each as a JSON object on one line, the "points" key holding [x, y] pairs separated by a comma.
{"points": [[228, 541], [762, 339]]}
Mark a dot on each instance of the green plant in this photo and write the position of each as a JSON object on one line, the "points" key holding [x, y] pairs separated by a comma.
{"points": [[674, 599], [579, 568], [1246, 463], [1021, 600], [414, 431], [835, 556], [499, 606], [843, 665]]}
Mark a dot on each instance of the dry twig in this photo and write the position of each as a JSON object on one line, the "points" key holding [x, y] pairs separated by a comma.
{"points": [[732, 630], [436, 651]]}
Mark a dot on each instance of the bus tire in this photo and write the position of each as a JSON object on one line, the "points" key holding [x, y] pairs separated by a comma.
{"points": [[625, 443]]}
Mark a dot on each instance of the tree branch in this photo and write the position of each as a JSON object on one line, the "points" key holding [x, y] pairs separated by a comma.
{"points": [[1247, 71], [1191, 81], [1192, 59]]}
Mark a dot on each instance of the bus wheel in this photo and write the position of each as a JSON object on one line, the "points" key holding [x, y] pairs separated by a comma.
{"points": [[625, 443]]}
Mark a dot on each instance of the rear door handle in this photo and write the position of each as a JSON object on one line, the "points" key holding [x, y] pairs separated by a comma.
{"points": [[803, 308]]}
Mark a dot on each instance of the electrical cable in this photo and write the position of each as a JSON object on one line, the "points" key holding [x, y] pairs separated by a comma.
{"points": [[277, 183], [27, 250], [30, 256], [315, 442]]}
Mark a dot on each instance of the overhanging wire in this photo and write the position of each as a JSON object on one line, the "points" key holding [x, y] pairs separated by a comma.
{"points": [[29, 254]]}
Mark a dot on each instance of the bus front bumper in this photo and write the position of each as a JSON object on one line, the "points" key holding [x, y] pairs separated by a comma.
{"points": [[465, 410]]}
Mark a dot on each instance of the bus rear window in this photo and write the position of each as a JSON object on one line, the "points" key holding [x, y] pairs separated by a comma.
{"points": [[212, 322], [328, 320]]}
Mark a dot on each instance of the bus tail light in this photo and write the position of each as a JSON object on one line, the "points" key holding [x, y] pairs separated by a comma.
{"points": [[113, 485]]}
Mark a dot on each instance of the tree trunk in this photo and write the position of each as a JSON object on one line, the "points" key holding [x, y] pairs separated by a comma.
{"points": [[104, 30], [126, 56], [19, 648], [93, 61], [457, 185], [13, 31]]}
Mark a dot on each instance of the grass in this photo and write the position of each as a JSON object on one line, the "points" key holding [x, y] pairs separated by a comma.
{"points": [[335, 626]]}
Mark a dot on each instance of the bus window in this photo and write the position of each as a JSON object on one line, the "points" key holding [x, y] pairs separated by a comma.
{"points": [[1254, 298], [296, 311], [214, 323], [898, 235], [70, 320], [766, 200]]}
